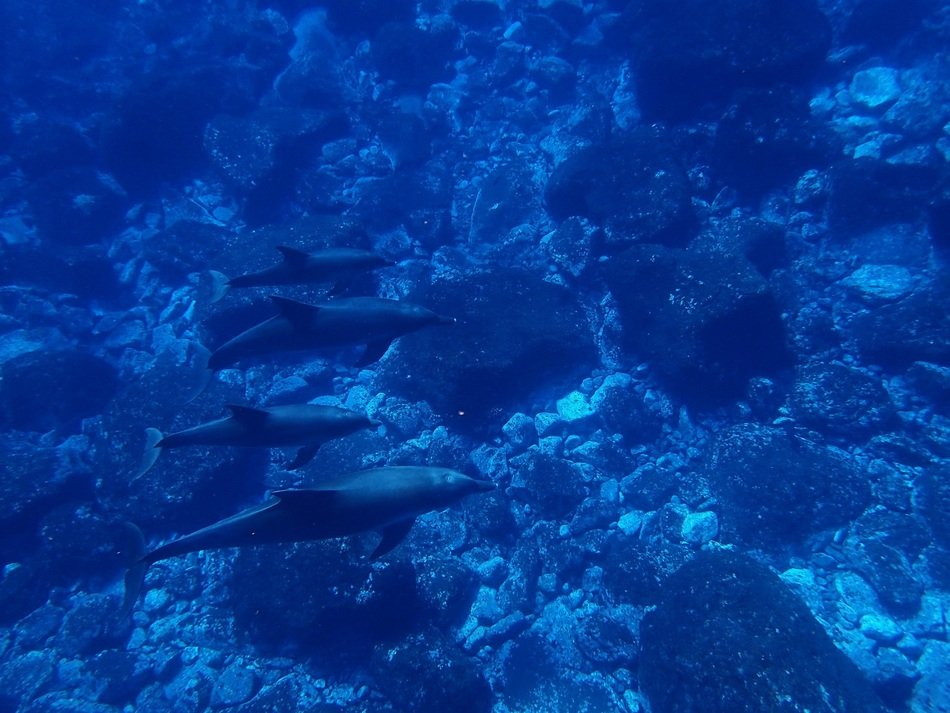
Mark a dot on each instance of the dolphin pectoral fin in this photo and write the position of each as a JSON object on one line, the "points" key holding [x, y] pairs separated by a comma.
{"points": [[299, 314], [135, 576], [247, 415], [219, 285], [374, 352], [152, 451], [292, 255], [392, 536], [304, 456]]}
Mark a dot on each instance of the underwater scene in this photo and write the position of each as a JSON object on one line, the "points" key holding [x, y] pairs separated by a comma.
{"points": [[478, 356]]}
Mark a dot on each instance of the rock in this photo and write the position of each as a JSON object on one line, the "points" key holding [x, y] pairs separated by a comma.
{"points": [[43, 390], [477, 14], [476, 368], [44, 146], [774, 489], [875, 87], [26, 674], [405, 674], [880, 24], [877, 284], [365, 17], [413, 57], [881, 629], [699, 528], [77, 206], [893, 577], [258, 153], [932, 692], [634, 188], [570, 245], [767, 138], [697, 52], [761, 242], [841, 399], [236, 684], [553, 487], [505, 199], [745, 641], [682, 311]]}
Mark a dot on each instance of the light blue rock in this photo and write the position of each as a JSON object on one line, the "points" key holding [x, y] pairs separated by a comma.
{"points": [[236, 684], [880, 283], [520, 431], [874, 88], [574, 407], [698, 528], [493, 572], [880, 628], [932, 691], [630, 522]]}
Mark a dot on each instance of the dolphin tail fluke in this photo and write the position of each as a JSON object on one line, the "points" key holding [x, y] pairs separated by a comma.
{"points": [[220, 285], [152, 451], [205, 372], [135, 576]]}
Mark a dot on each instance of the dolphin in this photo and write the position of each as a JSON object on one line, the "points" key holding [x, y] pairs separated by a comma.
{"points": [[387, 499], [300, 268], [373, 321], [307, 425]]}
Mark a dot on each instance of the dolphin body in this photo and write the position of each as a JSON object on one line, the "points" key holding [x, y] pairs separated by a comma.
{"points": [[307, 425], [373, 321], [387, 499], [300, 268]]}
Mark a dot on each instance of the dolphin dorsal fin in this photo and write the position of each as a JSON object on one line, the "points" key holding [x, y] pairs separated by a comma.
{"points": [[296, 312], [304, 499], [247, 414], [293, 255]]}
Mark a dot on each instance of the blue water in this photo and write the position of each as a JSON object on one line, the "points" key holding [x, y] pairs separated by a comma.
{"points": [[691, 261]]}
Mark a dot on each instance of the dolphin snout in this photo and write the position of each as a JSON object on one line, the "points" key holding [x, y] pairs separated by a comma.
{"points": [[483, 486], [441, 319]]}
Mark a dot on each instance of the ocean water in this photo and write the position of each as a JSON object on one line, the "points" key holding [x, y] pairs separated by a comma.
{"points": [[619, 327]]}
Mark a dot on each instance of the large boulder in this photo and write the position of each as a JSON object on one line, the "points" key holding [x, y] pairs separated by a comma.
{"points": [[728, 635], [41, 390], [775, 489], [705, 320], [833, 397], [514, 332], [690, 53], [634, 187]]}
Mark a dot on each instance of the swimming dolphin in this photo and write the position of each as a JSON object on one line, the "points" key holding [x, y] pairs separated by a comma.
{"points": [[299, 268], [373, 321], [307, 425], [387, 499]]}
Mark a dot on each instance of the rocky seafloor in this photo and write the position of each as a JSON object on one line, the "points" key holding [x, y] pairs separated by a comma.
{"points": [[697, 255]]}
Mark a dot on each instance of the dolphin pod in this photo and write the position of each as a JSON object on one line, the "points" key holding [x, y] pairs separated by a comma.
{"points": [[307, 425], [387, 499], [373, 321], [301, 268]]}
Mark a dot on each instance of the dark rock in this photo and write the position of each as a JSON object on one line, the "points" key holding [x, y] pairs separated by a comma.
{"points": [[906, 533], [728, 635], [78, 543], [505, 199], [866, 193], [570, 246], [55, 702], [446, 589], [86, 272], [606, 640], [365, 17], [27, 674], [917, 328], [28, 483], [237, 684], [261, 154], [649, 487], [156, 133], [892, 576], [122, 676], [286, 694], [406, 137], [518, 591], [557, 76], [427, 673], [934, 493], [76, 206], [688, 54], [322, 596], [761, 242], [775, 489], [553, 487], [840, 399], [624, 410], [642, 565], [634, 188], [880, 24], [185, 247], [939, 222], [23, 588], [45, 146], [476, 368], [413, 57], [86, 626], [41, 391], [767, 138], [478, 14], [706, 321], [569, 14]]}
